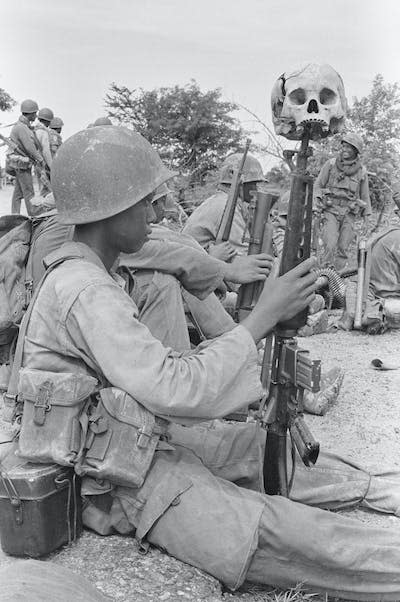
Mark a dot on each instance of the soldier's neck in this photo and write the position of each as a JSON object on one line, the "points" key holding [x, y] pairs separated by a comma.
{"points": [[97, 238]]}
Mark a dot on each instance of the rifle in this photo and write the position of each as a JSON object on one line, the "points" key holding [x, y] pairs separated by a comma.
{"points": [[13, 146], [260, 241], [225, 226], [287, 369]]}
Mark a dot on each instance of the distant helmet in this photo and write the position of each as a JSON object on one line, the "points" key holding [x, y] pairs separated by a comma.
{"points": [[29, 106], [102, 121], [161, 191], [252, 170], [283, 203], [102, 171], [46, 114], [355, 140], [56, 122]]}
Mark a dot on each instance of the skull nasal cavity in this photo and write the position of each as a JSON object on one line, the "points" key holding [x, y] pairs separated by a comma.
{"points": [[312, 106]]}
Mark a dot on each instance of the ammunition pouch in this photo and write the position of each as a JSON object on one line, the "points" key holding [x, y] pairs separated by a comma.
{"points": [[15, 162], [54, 419], [122, 437]]}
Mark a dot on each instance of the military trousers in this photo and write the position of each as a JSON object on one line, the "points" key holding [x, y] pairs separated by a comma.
{"points": [[202, 503], [337, 235], [23, 189]]}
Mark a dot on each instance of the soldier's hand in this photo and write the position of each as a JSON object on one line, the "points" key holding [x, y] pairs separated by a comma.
{"points": [[282, 298], [249, 268], [396, 197], [223, 251]]}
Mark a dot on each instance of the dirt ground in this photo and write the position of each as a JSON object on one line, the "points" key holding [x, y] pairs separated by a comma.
{"points": [[364, 424]]}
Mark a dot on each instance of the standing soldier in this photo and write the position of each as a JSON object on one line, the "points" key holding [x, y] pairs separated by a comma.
{"points": [[55, 128], [341, 194], [20, 160], [44, 116]]}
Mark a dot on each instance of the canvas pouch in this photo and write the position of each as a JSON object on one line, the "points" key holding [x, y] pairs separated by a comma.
{"points": [[121, 439], [54, 419]]}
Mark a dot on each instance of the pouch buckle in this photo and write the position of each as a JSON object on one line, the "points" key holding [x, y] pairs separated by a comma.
{"points": [[144, 436], [42, 403]]}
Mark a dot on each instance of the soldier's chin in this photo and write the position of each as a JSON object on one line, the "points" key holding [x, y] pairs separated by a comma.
{"points": [[316, 128]]}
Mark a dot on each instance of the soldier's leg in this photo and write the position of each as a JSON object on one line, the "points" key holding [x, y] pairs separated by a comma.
{"points": [[329, 235], [346, 237], [236, 451], [26, 183], [159, 300], [209, 315], [236, 534], [17, 196]]}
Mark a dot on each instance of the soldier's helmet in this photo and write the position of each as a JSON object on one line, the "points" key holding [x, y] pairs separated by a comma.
{"points": [[355, 140], [161, 191], [102, 121], [46, 114], [29, 106], [56, 122], [252, 170], [102, 171]]}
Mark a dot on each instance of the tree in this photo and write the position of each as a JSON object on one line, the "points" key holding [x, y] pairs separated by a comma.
{"points": [[6, 101], [192, 130]]}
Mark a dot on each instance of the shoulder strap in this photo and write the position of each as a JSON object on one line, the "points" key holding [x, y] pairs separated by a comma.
{"points": [[51, 262]]}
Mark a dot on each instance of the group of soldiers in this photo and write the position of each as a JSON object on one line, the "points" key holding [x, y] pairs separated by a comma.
{"points": [[36, 138], [110, 310]]}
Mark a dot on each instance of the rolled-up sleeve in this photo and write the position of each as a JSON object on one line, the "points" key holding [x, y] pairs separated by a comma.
{"points": [[214, 380]]}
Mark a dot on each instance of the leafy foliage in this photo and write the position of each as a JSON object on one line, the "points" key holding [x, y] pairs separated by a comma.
{"points": [[192, 130], [6, 101]]}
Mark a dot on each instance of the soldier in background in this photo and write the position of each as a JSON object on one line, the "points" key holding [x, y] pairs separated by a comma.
{"points": [[42, 132], [341, 195], [56, 125], [205, 220], [27, 152]]}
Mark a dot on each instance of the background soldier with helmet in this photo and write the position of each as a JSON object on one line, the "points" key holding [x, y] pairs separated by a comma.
{"points": [[42, 132], [204, 222], [56, 125], [26, 152], [341, 195]]}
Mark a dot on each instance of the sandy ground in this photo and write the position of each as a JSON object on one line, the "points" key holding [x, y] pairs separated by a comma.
{"points": [[364, 424]]}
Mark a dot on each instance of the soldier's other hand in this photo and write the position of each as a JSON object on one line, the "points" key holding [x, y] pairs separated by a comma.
{"points": [[396, 197], [249, 268], [223, 251], [282, 298]]}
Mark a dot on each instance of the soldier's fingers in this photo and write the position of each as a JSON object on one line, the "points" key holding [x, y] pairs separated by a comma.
{"points": [[304, 267]]}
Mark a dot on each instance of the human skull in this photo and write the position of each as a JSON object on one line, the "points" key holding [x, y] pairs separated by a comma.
{"points": [[312, 96]]}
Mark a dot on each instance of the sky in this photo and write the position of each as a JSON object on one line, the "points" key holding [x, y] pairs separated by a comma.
{"points": [[65, 53]]}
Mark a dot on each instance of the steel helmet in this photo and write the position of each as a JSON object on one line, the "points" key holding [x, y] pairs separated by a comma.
{"points": [[355, 140], [252, 170], [161, 191], [56, 122], [102, 171], [29, 106], [46, 114], [102, 121]]}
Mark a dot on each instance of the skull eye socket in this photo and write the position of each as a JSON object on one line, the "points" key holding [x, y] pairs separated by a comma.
{"points": [[327, 96], [297, 97]]}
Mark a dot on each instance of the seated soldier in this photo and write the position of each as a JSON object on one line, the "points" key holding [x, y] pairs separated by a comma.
{"points": [[199, 495], [382, 303]]}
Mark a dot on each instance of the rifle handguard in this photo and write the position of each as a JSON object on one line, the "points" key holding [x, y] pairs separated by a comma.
{"points": [[306, 445]]}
